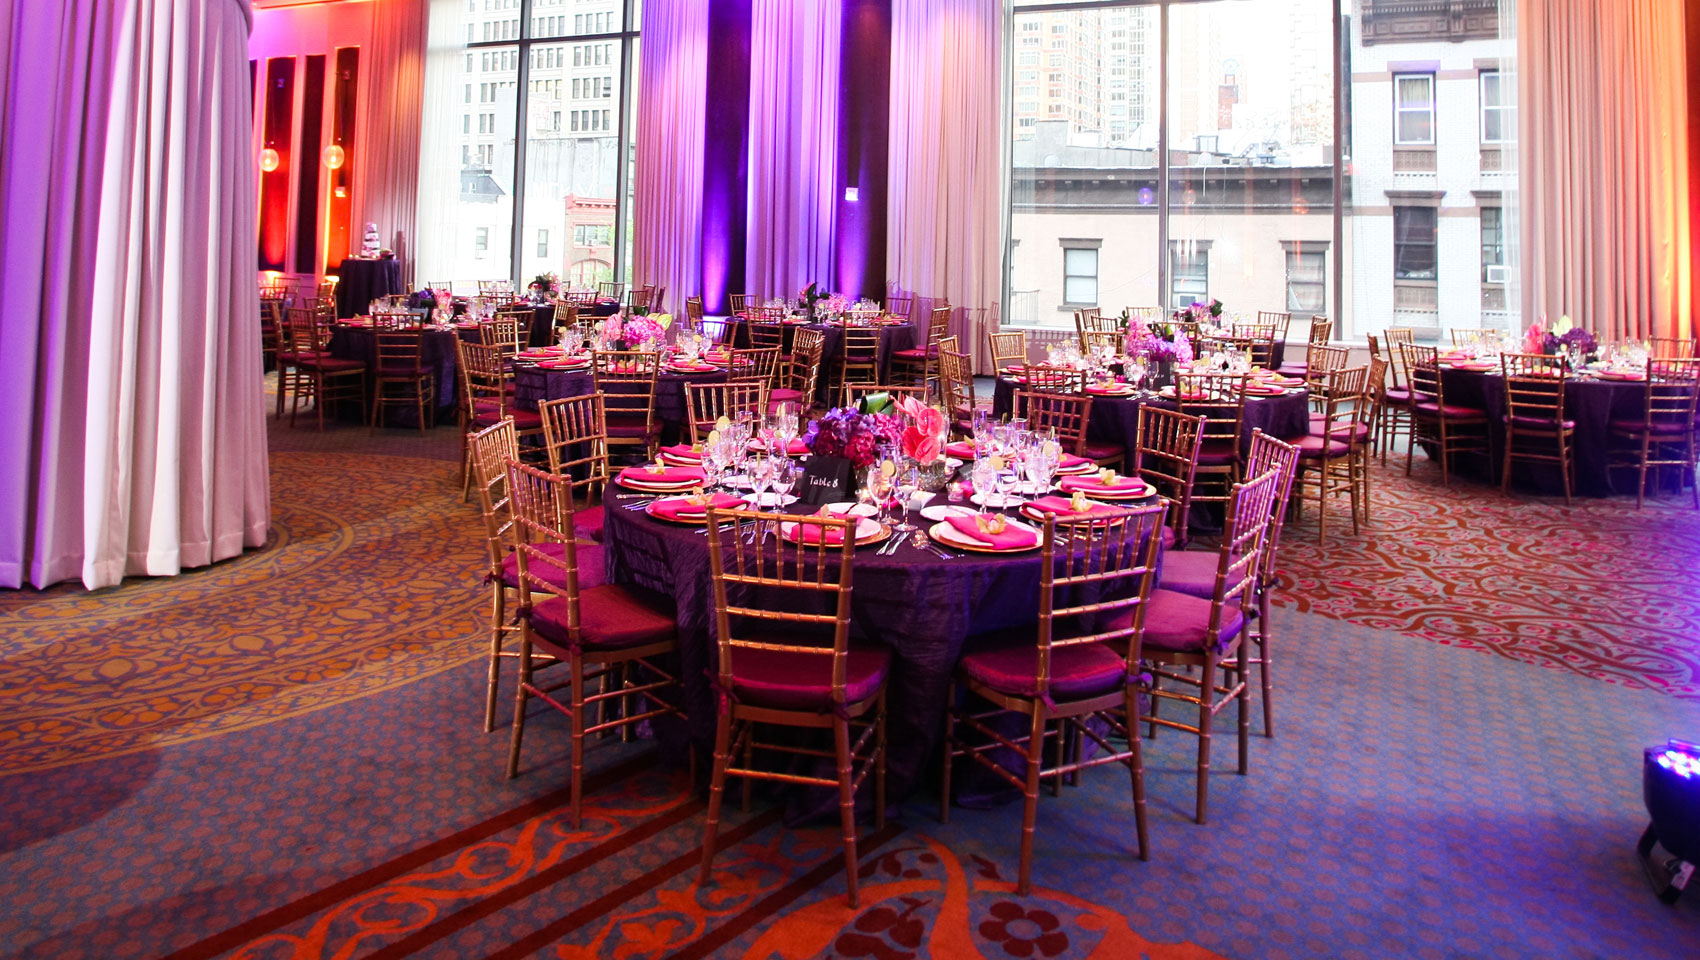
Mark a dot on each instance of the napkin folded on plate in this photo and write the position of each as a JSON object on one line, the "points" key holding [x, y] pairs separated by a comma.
{"points": [[1110, 391], [961, 449], [1011, 538], [667, 475], [683, 452], [810, 533], [795, 448], [1069, 461], [1063, 507], [697, 367], [676, 507], [1091, 484]]}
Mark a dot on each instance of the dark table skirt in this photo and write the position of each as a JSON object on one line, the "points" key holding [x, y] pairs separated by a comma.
{"points": [[437, 355], [533, 385], [359, 282]]}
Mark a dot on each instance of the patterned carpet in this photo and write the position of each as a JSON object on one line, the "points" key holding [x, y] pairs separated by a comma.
{"points": [[287, 762]]}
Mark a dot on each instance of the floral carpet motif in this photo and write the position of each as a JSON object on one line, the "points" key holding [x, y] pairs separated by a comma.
{"points": [[363, 586], [1597, 588]]}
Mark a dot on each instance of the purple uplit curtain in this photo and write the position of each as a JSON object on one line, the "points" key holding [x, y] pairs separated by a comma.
{"points": [[943, 209], [672, 81], [129, 352], [386, 171], [793, 144]]}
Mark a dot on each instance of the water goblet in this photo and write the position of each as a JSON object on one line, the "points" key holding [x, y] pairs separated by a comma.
{"points": [[908, 482]]}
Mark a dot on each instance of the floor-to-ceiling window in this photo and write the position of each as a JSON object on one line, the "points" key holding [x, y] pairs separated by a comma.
{"points": [[1236, 101], [527, 141]]}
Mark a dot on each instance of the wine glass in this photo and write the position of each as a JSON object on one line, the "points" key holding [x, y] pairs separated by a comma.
{"points": [[908, 482], [880, 487], [761, 478], [784, 478], [985, 479]]}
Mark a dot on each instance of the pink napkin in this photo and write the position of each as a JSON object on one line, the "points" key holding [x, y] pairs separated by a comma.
{"points": [[1012, 537], [1015, 368], [696, 367], [1111, 391], [668, 475], [1069, 461], [683, 452], [961, 449], [569, 363], [809, 533], [795, 448], [1090, 484], [674, 509], [1063, 507]]}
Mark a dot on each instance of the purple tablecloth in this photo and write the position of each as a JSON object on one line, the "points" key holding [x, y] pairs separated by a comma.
{"points": [[437, 353], [924, 607], [1591, 404], [1116, 419], [533, 385], [893, 337]]}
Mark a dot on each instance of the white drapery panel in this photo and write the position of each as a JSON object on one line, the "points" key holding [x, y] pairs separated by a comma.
{"points": [[794, 52], [129, 354], [943, 209], [386, 165], [1604, 160], [673, 82]]}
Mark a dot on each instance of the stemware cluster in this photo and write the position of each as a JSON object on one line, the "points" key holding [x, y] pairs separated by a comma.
{"points": [[1012, 459]]}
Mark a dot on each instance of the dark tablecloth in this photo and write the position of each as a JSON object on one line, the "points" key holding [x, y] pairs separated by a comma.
{"points": [[893, 337], [533, 385], [438, 357], [925, 608], [1116, 419], [1591, 404], [359, 282]]}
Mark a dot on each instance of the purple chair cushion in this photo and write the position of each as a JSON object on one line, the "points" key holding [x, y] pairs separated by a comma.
{"points": [[1312, 447], [1398, 395], [1354, 430], [913, 353], [611, 617], [1080, 671], [1192, 572], [591, 569], [328, 364], [1637, 427], [628, 427], [784, 395], [1541, 423], [1217, 453], [1178, 623], [290, 356], [1292, 369], [588, 522], [1168, 538], [1102, 451], [803, 681], [488, 414], [1450, 411]]}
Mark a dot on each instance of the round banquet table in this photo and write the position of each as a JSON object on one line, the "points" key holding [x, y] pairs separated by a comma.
{"points": [[533, 385], [1116, 419], [437, 355], [893, 337], [1590, 403], [359, 282], [924, 607]]}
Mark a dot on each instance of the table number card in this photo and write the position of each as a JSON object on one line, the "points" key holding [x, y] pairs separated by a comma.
{"points": [[826, 480]]}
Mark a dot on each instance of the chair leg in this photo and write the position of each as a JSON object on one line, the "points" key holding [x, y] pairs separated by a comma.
{"points": [[1243, 677], [1136, 768], [498, 607], [879, 764], [1030, 799], [1206, 694], [1263, 665], [1505, 465], [520, 695], [846, 805], [576, 665], [716, 791], [949, 747], [1411, 447], [749, 763]]}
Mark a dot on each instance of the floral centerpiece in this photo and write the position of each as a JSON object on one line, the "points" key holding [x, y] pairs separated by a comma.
{"points": [[545, 283], [922, 440], [1564, 337], [609, 330], [1200, 311], [642, 333], [812, 295], [852, 435], [1158, 342]]}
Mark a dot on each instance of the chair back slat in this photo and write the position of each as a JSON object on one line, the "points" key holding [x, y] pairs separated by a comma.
{"points": [[626, 379], [706, 403], [1278, 322], [1165, 455], [802, 371], [1534, 387], [1008, 348], [1218, 398], [1045, 378], [1068, 414], [760, 364], [483, 378], [956, 384], [489, 451], [400, 352], [1266, 454], [575, 439], [542, 505]]}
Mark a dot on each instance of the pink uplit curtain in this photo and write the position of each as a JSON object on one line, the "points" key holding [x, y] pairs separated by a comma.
{"points": [[943, 209], [1604, 155], [672, 82], [129, 351], [386, 167], [794, 48]]}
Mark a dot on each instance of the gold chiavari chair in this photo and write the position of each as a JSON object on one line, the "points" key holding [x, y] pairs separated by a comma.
{"points": [[487, 398], [1090, 320], [445, 286], [1007, 349], [956, 389], [1193, 572], [272, 307], [1320, 361], [1663, 436], [317, 374], [1182, 632], [855, 393], [1395, 400], [575, 439], [900, 305], [611, 290], [1451, 428], [1321, 332], [495, 289], [1147, 314], [1467, 337], [693, 311], [1278, 322], [1045, 378], [642, 297], [922, 361], [858, 356], [1535, 426], [626, 379], [737, 302], [1079, 682], [1327, 458], [617, 632], [566, 315], [782, 622], [507, 332], [1165, 455], [754, 363], [1096, 339], [1070, 415], [401, 377], [800, 383], [1226, 342], [950, 343], [1321, 329], [1671, 348], [1260, 342], [1219, 398], [706, 403], [290, 376], [765, 334]]}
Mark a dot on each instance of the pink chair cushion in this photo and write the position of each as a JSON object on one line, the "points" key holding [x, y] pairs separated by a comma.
{"points": [[523, 419], [1168, 537], [1450, 411], [1103, 451], [1217, 453], [803, 681], [1076, 672], [325, 363], [1398, 395], [588, 522], [611, 617], [290, 356], [913, 353], [591, 568], [1541, 423], [784, 395], [1178, 623], [1312, 447], [1357, 431], [1291, 369], [1192, 572]]}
